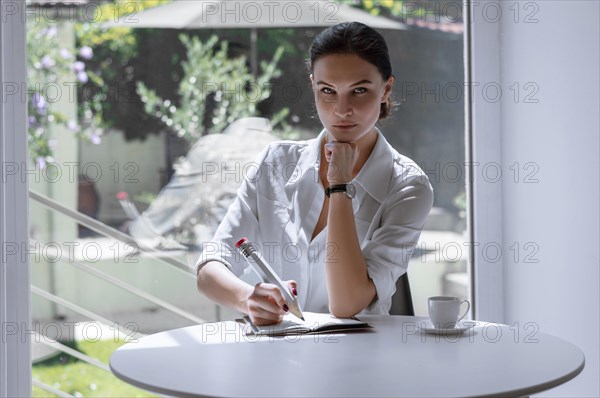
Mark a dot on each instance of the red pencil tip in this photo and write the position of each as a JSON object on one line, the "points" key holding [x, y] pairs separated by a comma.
{"points": [[241, 242]]}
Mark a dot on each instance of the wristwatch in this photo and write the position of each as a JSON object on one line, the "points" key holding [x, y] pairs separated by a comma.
{"points": [[348, 188]]}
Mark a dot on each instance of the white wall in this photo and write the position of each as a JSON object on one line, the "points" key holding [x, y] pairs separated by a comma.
{"points": [[135, 167], [559, 54]]}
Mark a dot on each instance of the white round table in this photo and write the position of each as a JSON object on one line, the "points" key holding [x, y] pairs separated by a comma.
{"points": [[393, 359]]}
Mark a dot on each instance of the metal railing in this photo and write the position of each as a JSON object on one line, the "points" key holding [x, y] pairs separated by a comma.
{"points": [[35, 382], [107, 231]]}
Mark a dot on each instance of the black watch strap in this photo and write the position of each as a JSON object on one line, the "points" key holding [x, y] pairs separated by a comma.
{"points": [[336, 188]]}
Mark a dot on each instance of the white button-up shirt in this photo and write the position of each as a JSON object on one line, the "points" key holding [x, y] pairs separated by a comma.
{"points": [[279, 202]]}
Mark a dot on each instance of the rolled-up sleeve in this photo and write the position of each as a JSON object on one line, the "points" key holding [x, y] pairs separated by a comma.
{"points": [[241, 220], [391, 245]]}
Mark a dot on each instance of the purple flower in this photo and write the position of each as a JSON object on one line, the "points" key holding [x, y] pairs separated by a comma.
{"points": [[95, 139], [78, 66], [47, 62], [86, 52], [51, 32], [39, 102], [72, 125], [41, 162], [66, 54], [32, 121], [82, 77]]}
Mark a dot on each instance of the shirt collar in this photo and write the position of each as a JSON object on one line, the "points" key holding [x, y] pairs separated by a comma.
{"points": [[311, 156], [375, 175]]}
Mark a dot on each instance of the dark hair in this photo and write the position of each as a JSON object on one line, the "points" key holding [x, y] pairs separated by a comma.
{"points": [[354, 38]]}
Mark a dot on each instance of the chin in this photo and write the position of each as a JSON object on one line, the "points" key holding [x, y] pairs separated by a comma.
{"points": [[345, 140], [341, 136]]}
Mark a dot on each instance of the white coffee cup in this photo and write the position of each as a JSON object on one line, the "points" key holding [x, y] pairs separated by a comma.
{"points": [[443, 311]]}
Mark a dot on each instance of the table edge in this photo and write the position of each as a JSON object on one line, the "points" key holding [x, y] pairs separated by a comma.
{"points": [[526, 391]]}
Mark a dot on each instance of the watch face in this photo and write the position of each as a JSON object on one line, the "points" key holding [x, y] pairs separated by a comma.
{"points": [[350, 190]]}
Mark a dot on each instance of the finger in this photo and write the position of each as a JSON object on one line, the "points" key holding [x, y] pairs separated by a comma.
{"points": [[264, 307], [264, 313], [293, 287], [257, 311], [341, 147], [265, 289], [269, 297], [332, 145], [265, 321], [275, 294]]}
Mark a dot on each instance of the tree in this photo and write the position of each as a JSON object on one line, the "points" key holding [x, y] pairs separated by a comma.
{"points": [[214, 91]]}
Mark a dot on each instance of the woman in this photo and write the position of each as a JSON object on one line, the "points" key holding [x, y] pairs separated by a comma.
{"points": [[337, 216]]}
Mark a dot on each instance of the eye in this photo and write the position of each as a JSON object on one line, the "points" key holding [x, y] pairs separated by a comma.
{"points": [[327, 90], [360, 90]]}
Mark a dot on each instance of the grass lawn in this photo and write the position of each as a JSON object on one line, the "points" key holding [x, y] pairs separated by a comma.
{"points": [[78, 378]]}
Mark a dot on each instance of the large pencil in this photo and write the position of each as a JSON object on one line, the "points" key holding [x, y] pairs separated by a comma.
{"points": [[268, 275]]}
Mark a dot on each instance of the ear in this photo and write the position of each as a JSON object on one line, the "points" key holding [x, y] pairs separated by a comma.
{"points": [[312, 81], [388, 89]]}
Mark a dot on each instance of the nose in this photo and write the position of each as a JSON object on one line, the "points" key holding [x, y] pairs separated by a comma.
{"points": [[342, 108]]}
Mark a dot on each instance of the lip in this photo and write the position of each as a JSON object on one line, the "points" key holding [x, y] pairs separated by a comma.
{"points": [[344, 126]]}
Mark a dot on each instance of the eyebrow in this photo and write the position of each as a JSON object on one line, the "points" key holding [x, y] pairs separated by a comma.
{"points": [[352, 85]]}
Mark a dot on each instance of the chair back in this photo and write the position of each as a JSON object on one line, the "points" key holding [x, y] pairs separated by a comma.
{"points": [[402, 300]]}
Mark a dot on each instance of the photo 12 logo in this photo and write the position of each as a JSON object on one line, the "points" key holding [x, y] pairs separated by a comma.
{"points": [[54, 331], [70, 172], [453, 92], [272, 12]]}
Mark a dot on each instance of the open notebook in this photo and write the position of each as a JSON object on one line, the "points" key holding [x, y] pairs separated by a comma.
{"points": [[313, 323]]}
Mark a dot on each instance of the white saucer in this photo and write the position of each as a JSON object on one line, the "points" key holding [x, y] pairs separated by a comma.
{"points": [[427, 327]]}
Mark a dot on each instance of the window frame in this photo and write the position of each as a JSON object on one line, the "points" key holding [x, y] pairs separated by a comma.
{"points": [[15, 314], [484, 148], [484, 215]]}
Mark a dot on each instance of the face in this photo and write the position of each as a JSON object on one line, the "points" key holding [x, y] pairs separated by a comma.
{"points": [[348, 95]]}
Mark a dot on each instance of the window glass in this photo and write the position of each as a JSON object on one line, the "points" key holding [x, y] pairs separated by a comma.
{"points": [[125, 127]]}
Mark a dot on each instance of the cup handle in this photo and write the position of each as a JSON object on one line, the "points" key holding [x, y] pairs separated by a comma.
{"points": [[466, 312]]}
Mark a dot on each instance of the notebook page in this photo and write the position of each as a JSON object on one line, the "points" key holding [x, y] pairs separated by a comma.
{"points": [[313, 322]]}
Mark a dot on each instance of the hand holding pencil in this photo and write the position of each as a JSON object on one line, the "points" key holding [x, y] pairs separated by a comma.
{"points": [[266, 304], [270, 300]]}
